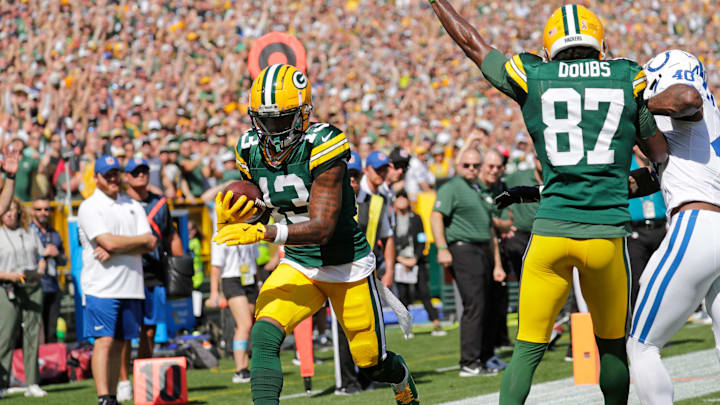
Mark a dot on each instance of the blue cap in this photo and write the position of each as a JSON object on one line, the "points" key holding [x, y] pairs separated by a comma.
{"points": [[134, 163], [105, 163], [355, 162], [377, 160]]}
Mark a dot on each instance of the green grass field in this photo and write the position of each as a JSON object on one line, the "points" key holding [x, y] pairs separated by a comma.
{"points": [[425, 354]]}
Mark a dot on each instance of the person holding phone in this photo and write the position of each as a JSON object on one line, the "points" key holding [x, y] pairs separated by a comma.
{"points": [[21, 267]]}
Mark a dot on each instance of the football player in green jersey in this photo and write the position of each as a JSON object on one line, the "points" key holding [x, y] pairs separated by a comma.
{"points": [[584, 115], [300, 167]]}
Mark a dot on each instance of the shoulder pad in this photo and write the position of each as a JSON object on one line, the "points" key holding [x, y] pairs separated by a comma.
{"points": [[328, 142], [242, 150], [515, 68]]}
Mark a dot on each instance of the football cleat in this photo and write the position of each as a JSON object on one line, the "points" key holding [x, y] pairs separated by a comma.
{"points": [[573, 25], [280, 105], [405, 391]]}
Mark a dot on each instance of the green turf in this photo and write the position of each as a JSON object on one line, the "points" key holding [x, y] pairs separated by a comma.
{"points": [[424, 354]]}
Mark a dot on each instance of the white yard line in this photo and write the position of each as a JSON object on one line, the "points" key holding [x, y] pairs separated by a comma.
{"points": [[694, 374]]}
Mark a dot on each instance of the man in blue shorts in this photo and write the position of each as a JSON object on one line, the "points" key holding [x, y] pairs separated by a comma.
{"points": [[114, 232]]}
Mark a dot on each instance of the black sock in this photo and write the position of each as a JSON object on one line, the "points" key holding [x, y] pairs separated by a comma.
{"points": [[106, 400]]}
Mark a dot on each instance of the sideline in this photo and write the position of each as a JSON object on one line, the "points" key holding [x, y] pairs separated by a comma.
{"points": [[694, 374]]}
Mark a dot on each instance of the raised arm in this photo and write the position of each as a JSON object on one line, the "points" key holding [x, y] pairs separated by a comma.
{"points": [[678, 101], [460, 30]]}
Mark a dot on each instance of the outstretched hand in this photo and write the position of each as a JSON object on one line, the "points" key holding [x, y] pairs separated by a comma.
{"points": [[10, 163]]}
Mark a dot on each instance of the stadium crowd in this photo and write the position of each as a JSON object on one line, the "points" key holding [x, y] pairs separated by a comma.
{"points": [[167, 80]]}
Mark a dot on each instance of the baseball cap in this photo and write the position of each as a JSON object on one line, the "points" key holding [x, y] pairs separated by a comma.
{"points": [[105, 163], [399, 157], [355, 162], [134, 163], [377, 160]]}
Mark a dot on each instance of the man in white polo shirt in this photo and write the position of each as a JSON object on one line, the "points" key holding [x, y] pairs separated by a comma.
{"points": [[114, 232]]}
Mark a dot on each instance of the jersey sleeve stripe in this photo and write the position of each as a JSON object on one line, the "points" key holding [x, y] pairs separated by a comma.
{"points": [[325, 145], [517, 72], [335, 152], [328, 150], [240, 163]]}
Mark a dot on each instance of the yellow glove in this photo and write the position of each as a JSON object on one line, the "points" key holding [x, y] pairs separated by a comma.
{"points": [[241, 211], [240, 234]]}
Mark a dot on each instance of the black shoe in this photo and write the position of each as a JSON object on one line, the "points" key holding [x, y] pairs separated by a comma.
{"points": [[242, 376], [351, 389]]}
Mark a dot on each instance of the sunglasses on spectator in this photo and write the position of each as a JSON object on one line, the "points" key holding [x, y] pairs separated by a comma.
{"points": [[48, 209], [139, 171], [473, 165]]}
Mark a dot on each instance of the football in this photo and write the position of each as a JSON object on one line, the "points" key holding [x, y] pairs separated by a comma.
{"points": [[251, 191]]}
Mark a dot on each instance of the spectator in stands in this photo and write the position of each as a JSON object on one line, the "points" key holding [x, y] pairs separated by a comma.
{"points": [[54, 255], [9, 167], [465, 237], [399, 161], [411, 270], [194, 172], [441, 167], [237, 267], [418, 178], [27, 168], [137, 176], [21, 267], [114, 233]]}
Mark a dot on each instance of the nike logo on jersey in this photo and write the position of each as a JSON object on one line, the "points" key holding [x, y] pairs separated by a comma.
{"points": [[326, 137], [99, 327]]}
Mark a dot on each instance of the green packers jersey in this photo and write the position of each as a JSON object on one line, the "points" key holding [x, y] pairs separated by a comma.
{"points": [[286, 190], [584, 117]]}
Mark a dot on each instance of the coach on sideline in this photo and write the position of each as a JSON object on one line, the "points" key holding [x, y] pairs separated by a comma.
{"points": [[114, 232], [462, 225]]}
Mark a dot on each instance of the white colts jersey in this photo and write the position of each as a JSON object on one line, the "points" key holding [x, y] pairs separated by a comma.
{"points": [[693, 169]]}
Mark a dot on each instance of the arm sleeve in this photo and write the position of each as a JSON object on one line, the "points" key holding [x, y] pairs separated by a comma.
{"points": [[217, 255], [508, 76], [444, 201], [91, 222]]}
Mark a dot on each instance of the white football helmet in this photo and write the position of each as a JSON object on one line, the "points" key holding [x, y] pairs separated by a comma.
{"points": [[671, 67]]}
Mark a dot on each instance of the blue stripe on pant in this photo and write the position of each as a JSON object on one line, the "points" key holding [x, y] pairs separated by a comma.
{"points": [[645, 297], [673, 268]]}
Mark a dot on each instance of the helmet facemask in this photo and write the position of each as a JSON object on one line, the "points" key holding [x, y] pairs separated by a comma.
{"points": [[279, 131]]}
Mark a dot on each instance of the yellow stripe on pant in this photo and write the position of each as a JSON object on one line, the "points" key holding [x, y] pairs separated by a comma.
{"points": [[288, 297], [547, 277]]}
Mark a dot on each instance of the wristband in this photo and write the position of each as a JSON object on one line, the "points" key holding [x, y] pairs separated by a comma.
{"points": [[281, 234], [441, 247], [8, 175]]}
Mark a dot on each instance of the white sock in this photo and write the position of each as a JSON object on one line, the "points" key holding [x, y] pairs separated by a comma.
{"points": [[652, 381]]}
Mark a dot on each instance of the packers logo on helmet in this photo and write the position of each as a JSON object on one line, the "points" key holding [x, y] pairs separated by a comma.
{"points": [[573, 25], [280, 105]]}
